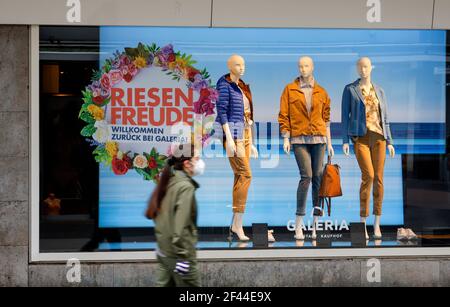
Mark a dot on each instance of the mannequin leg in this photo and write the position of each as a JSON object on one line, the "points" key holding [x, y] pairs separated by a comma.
{"points": [[237, 228], [376, 227], [363, 155], [299, 228], [314, 231], [363, 220], [317, 154], [378, 159], [240, 164], [303, 158]]}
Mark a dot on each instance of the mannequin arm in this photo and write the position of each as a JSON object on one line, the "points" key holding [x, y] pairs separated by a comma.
{"points": [[346, 149], [231, 146], [286, 145], [391, 151], [253, 149], [329, 144]]}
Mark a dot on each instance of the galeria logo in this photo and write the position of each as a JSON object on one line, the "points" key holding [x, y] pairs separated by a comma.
{"points": [[74, 273], [374, 271], [74, 13], [327, 225], [374, 13]]}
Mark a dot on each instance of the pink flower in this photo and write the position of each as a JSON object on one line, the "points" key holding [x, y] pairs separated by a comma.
{"points": [[96, 92], [124, 60], [214, 94], [105, 82], [204, 106], [132, 69], [124, 70], [115, 76]]}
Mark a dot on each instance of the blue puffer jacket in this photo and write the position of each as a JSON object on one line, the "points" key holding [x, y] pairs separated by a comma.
{"points": [[354, 112], [230, 106]]}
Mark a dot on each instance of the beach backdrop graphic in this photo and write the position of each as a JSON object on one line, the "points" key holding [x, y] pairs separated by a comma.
{"points": [[408, 64]]}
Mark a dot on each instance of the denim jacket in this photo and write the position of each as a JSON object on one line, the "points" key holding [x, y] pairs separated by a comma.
{"points": [[354, 112]]}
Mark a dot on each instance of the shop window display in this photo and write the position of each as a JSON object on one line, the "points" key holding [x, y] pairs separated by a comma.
{"points": [[266, 107]]}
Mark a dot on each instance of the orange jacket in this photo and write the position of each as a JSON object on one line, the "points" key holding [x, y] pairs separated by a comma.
{"points": [[293, 117]]}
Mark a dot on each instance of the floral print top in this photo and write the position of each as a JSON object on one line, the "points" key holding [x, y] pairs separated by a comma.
{"points": [[373, 117]]}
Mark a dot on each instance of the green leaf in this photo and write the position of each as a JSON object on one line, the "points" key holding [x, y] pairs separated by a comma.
{"points": [[84, 106], [132, 52], [107, 68], [143, 173], [153, 153], [98, 159], [96, 75], [153, 173], [87, 101], [88, 131], [87, 117], [147, 156], [101, 156]]}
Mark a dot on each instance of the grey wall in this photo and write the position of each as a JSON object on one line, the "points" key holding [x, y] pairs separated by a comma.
{"points": [[14, 157], [294, 273], [15, 269], [401, 14]]}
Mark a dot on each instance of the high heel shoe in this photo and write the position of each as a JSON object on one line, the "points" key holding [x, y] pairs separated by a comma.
{"points": [[299, 228], [236, 228], [230, 235]]}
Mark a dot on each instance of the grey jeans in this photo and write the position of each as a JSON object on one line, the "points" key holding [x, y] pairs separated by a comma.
{"points": [[309, 159]]}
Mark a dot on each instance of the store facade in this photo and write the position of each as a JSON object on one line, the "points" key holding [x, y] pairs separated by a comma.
{"points": [[82, 205]]}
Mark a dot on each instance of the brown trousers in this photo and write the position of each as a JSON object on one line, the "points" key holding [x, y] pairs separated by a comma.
{"points": [[240, 164], [370, 151]]}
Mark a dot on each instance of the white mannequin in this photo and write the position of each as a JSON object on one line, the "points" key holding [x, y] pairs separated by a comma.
{"points": [[364, 69], [236, 66], [306, 69]]}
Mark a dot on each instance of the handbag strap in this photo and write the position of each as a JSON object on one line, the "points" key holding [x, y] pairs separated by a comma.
{"points": [[328, 199]]}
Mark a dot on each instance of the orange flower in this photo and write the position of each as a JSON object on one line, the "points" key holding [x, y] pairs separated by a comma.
{"points": [[140, 62], [96, 112], [111, 148]]}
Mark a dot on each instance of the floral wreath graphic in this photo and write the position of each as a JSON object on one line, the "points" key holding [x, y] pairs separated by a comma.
{"points": [[125, 66]]}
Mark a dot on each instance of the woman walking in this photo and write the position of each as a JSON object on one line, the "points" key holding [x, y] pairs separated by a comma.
{"points": [[173, 208]]}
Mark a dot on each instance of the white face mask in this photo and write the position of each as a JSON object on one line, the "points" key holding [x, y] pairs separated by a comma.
{"points": [[199, 168]]}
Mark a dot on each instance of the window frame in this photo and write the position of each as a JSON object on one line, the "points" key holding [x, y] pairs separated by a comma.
{"points": [[143, 256]]}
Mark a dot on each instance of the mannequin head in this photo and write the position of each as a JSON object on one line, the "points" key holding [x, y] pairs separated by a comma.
{"points": [[364, 67], [236, 65], [306, 67]]}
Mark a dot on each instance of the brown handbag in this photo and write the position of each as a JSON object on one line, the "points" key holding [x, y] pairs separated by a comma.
{"points": [[330, 185]]}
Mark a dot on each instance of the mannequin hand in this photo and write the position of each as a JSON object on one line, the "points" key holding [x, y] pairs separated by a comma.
{"points": [[346, 149], [330, 151], [286, 145], [231, 147], [254, 152], [391, 151]]}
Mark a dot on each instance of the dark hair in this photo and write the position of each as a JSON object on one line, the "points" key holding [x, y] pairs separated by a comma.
{"points": [[183, 153]]}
